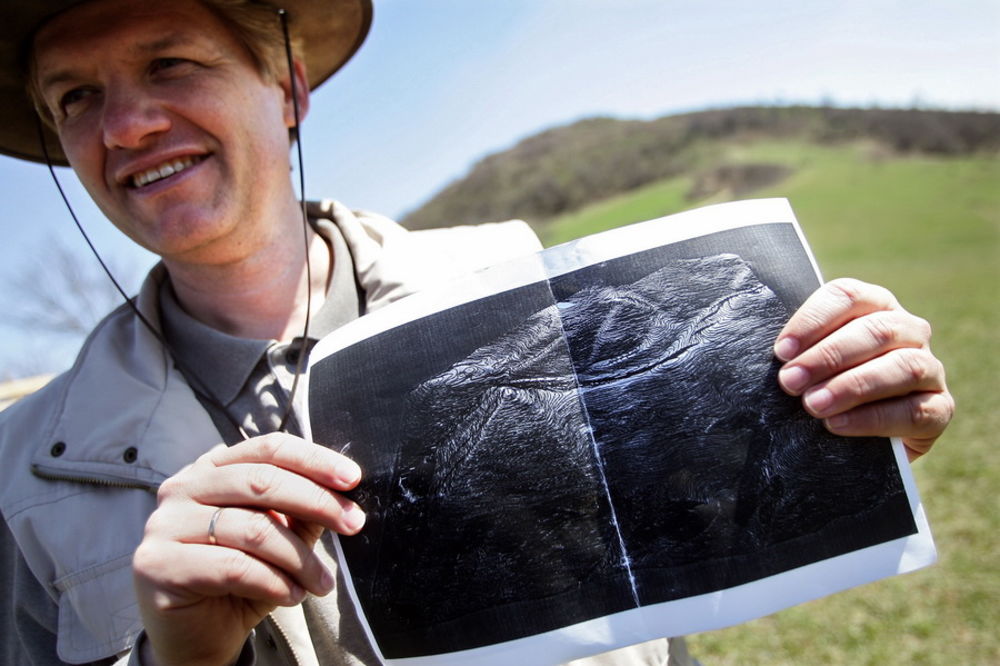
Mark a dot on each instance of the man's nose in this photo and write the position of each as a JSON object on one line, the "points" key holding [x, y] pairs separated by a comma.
{"points": [[131, 117]]}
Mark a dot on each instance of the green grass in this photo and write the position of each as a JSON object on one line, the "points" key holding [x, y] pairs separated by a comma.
{"points": [[929, 229], [646, 203]]}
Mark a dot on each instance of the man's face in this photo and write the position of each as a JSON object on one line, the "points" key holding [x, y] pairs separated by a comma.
{"points": [[162, 114]]}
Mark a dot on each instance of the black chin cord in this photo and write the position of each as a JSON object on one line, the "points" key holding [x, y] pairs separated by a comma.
{"points": [[283, 16], [76, 220], [197, 384]]}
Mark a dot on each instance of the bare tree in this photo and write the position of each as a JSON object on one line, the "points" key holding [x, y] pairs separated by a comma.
{"points": [[52, 300], [64, 290]]}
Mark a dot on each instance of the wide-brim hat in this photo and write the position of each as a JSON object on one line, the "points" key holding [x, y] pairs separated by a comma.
{"points": [[331, 31]]}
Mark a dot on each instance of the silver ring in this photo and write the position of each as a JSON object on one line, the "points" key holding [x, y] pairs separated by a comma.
{"points": [[211, 525]]}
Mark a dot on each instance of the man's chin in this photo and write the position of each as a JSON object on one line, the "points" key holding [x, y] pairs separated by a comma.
{"points": [[178, 235]]}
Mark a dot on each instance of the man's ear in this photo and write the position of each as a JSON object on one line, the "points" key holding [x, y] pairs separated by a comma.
{"points": [[301, 91]]}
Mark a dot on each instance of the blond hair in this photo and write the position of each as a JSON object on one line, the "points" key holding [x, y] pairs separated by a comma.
{"points": [[258, 28]]}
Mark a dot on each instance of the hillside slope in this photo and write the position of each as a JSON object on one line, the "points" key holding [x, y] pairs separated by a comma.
{"points": [[565, 168]]}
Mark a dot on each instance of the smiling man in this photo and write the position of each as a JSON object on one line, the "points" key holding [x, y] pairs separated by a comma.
{"points": [[130, 531]]}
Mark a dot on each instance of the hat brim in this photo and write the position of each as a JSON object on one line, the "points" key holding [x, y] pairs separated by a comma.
{"points": [[331, 32]]}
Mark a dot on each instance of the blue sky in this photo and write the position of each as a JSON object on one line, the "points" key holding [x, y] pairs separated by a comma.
{"points": [[441, 83]]}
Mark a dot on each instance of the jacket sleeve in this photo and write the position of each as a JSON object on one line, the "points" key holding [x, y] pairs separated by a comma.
{"points": [[29, 619]]}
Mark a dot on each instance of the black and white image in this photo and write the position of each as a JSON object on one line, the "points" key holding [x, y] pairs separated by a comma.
{"points": [[610, 439]]}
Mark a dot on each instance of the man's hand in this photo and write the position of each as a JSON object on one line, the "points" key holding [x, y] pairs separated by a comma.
{"points": [[863, 364], [201, 594]]}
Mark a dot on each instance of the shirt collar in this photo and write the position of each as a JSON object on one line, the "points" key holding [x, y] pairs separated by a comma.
{"points": [[224, 362], [220, 361]]}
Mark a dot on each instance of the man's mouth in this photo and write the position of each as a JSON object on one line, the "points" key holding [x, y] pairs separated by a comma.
{"points": [[164, 170]]}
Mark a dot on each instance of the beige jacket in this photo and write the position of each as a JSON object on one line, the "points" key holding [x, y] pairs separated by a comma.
{"points": [[83, 457]]}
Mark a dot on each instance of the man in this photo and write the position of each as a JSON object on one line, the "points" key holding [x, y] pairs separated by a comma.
{"points": [[177, 117]]}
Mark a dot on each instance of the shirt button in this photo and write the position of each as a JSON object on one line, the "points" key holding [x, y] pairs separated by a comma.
{"points": [[58, 449]]}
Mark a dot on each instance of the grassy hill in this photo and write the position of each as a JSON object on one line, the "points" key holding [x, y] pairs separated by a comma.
{"points": [[926, 224], [567, 168]]}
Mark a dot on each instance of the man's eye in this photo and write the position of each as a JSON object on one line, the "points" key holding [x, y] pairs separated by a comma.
{"points": [[161, 64], [73, 99]]}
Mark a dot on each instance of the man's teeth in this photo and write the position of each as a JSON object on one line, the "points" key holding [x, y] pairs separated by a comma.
{"points": [[157, 173]]}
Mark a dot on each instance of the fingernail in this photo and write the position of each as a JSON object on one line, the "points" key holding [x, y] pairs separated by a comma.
{"points": [[794, 377], [819, 401], [837, 422], [786, 348], [348, 472], [297, 594], [354, 518], [326, 581]]}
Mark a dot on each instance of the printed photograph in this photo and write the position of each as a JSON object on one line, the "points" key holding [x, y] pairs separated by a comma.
{"points": [[610, 439]]}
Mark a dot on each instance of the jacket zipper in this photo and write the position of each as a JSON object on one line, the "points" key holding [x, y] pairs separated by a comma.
{"points": [[107, 482], [277, 629]]}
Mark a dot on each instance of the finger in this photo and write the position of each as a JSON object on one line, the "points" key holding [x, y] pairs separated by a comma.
{"points": [[919, 419], [826, 310], [185, 574], [322, 465], [260, 534], [856, 342], [895, 374], [308, 532], [266, 487]]}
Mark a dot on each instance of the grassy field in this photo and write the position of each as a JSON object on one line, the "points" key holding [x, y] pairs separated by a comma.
{"points": [[929, 229]]}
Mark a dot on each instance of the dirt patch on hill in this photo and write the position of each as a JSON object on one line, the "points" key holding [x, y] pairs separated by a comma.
{"points": [[736, 180]]}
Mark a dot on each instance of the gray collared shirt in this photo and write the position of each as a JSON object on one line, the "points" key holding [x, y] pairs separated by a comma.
{"points": [[245, 383]]}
